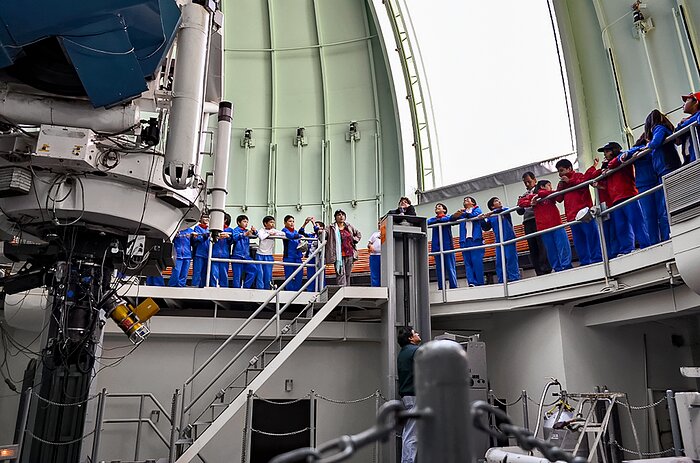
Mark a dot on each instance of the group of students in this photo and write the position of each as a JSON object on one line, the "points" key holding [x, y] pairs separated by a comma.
{"points": [[299, 245], [639, 223]]}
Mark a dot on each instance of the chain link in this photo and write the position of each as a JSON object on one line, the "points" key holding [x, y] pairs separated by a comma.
{"points": [[280, 434], [346, 402], [29, 433], [505, 404], [57, 404], [390, 415], [643, 407], [538, 404], [292, 401], [524, 437], [645, 454]]}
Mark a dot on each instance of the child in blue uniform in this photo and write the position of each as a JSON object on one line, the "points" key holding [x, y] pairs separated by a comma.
{"points": [[470, 235], [292, 253], [313, 245], [691, 106], [512, 268], [183, 257], [449, 259], [200, 243], [221, 249], [241, 250]]}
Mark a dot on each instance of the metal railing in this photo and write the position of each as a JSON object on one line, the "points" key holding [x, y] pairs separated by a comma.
{"points": [[598, 213], [187, 406], [318, 263]]}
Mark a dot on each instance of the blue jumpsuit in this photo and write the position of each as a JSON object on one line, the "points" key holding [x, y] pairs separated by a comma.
{"points": [[201, 255], [691, 155], [512, 268], [473, 260], [221, 250], [292, 254], [183, 257], [241, 250], [450, 259], [645, 179], [665, 159]]}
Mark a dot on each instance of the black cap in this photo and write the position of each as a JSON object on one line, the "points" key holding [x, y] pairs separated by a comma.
{"points": [[610, 146]]}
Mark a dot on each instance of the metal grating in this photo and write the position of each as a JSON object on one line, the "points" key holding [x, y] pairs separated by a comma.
{"points": [[682, 189], [14, 181]]}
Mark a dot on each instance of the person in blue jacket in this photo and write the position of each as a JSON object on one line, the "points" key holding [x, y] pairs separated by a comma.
{"points": [[512, 269], [645, 178], [221, 249], [449, 259], [691, 106], [200, 244], [470, 235], [292, 252], [240, 237], [664, 159], [183, 258]]}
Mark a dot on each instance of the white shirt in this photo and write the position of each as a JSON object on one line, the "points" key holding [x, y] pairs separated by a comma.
{"points": [[267, 244], [468, 226], [376, 241]]}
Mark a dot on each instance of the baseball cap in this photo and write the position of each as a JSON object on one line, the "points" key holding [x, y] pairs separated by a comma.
{"points": [[338, 212], [610, 146], [695, 96]]}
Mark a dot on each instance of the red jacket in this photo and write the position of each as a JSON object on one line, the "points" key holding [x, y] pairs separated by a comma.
{"points": [[621, 183], [546, 211], [576, 200]]}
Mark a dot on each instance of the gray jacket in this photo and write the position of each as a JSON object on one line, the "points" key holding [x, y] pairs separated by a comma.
{"points": [[330, 243]]}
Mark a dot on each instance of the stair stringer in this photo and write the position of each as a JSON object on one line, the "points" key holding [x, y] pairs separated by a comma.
{"points": [[240, 400]]}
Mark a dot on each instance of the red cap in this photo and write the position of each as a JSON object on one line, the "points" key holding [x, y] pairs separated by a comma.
{"points": [[695, 96]]}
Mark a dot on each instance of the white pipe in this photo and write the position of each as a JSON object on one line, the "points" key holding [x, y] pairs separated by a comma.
{"points": [[182, 148], [503, 455], [36, 110], [651, 69], [684, 54], [221, 157]]}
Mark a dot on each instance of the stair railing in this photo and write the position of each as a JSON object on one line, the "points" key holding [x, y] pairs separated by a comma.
{"points": [[320, 252]]}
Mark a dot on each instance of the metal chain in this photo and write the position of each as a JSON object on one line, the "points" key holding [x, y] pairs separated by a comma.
{"points": [[280, 434], [496, 399], [538, 404], [345, 402], [643, 407], [57, 404], [645, 454], [390, 415], [58, 443], [524, 437], [292, 401]]}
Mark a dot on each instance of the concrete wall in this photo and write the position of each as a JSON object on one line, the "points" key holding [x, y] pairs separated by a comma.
{"points": [[338, 370]]}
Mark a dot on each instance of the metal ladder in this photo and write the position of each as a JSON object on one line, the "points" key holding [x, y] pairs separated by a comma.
{"points": [[591, 425]]}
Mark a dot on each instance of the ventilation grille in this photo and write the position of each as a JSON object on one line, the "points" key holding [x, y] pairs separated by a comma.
{"points": [[14, 181], [682, 189]]}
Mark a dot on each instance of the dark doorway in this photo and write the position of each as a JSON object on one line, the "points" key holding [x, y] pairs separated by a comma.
{"points": [[279, 417]]}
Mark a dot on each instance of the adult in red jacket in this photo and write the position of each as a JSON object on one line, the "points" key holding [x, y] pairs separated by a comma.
{"points": [[547, 216], [629, 222], [585, 234]]}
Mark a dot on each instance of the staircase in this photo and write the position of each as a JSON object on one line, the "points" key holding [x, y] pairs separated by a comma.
{"points": [[196, 432]]}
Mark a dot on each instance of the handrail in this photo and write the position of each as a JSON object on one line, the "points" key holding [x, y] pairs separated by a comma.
{"points": [[248, 320], [258, 355], [141, 394], [249, 343], [320, 270], [602, 176]]}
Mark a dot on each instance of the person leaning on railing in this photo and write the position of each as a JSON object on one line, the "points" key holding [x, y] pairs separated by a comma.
{"points": [[547, 216], [470, 235], [449, 259], [691, 106], [511, 253], [629, 224], [537, 251], [405, 208], [649, 170]]}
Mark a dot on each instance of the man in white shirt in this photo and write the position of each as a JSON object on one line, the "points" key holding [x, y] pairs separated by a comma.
{"points": [[266, 249], [375, 263]]}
